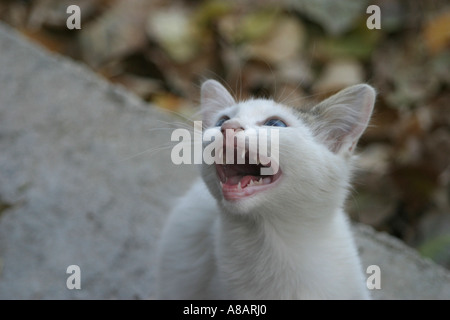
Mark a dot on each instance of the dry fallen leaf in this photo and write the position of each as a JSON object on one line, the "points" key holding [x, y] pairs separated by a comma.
{"points": [[336, 17], [436, 33], [174, 30], [116, 33], [284, 42], [339, 74]]}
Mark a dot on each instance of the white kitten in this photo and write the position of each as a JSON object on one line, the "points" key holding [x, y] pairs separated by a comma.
{"points": [[285, 236]]}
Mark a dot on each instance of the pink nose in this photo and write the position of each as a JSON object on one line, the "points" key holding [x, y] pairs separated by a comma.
{"points": [[231, 125], [229, 129]]}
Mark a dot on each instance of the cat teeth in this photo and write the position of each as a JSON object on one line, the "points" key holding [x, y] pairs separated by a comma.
{"points": [[253, 183], [221, 184], [243, 154], [266, 180], [256, 182], [220, 153]]}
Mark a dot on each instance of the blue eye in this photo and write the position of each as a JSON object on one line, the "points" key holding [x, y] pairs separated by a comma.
{"points": [[221, 121], [275, 123]]}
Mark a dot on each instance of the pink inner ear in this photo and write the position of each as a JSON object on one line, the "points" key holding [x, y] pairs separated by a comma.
{"points": [[344, 117]]}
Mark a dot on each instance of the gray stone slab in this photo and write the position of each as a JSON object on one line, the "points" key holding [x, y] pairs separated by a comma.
{"points": [[404, 274], [78, 185], [77, 180]]}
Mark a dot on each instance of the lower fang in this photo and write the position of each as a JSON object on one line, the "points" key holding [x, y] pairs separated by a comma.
{"points": [[266, 180], [239, 186], [257, 182]]}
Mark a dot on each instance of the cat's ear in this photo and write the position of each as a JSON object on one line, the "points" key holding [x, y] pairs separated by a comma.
{"points": [[214, 97], [343, 117]]}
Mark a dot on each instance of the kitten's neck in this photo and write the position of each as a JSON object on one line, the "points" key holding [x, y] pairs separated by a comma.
{"points": [[288, 226], [280, 255]]}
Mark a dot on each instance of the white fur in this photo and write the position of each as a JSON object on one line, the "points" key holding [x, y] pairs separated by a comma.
{"points": [[290, 242]]}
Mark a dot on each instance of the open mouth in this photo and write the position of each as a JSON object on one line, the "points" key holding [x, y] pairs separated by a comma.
{"points": [[240, 181]]}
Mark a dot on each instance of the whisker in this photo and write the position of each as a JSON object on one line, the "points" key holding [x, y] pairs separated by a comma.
{"points": [[150, 150]]}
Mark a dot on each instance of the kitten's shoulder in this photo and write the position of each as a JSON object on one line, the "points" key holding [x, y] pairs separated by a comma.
{"points": [[197, 195], [185, 260], [195, 205]]}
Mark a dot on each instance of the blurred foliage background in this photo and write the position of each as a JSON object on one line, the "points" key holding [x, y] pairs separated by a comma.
{"points": [[293, 51]]}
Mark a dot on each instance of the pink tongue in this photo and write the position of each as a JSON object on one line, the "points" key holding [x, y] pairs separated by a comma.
{"points": [[246, 180]]}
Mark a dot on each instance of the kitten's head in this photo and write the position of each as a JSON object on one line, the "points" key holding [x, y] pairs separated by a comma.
{"points": [[307, 161]]}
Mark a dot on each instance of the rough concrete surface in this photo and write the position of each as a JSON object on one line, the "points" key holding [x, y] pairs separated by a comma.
{"points": [[79, 185]]}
